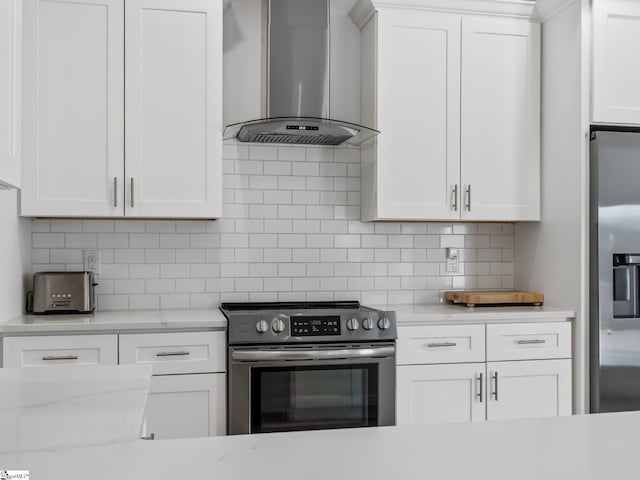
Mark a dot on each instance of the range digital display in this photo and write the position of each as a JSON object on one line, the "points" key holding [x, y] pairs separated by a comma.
{"points": [[308, 326]]}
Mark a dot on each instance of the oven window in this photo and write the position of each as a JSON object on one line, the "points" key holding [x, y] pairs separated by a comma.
{"points": [[309, 398]]}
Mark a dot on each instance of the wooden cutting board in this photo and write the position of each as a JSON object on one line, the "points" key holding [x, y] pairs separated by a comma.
{"points": [[471, 299]]}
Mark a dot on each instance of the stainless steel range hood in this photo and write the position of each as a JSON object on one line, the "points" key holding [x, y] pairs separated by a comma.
{"points": [[298, 96]]}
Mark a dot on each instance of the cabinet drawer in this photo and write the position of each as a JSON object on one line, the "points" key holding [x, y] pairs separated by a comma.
{"points": [[60, 350], [189, 352], [440, 344], [528, 341]]}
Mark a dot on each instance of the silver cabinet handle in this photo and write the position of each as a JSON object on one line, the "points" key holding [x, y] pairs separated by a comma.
{"points": [[454, 202], [481, 378], [443, 344], [60, 357], [312, 354], [172, 354], [151, 436], [495, 386], [467, 203], [529, 342], [115, 191], [131, 193]]}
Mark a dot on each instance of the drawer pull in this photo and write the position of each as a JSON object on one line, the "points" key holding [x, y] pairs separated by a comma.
{"points": [[443, 344], [172, 354], [481, 379], [529, 342], [60, 357]]}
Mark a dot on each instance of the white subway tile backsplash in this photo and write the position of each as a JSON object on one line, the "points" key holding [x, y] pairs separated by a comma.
{"points": [[113, 240], [160, 255], [144, 271], [175, 270], [190, 255], [174, 300], [307, 169], [347, 269], [40, 255], [81, 240], [160, 226], [98, 226], [291, 211], [66, 226], [130, 226], [129, 286], [157, 285], [129, 255], [305, 255], [68, 255], [333, 255], [291, 231], [277, 168], [144, 302]]}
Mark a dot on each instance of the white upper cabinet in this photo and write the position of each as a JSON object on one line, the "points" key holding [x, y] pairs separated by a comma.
{"points": [[500, 120], [418, 111], [10, 86], [73, 108], [79, 159], [616, 62], [456, 99], [173, 85]]}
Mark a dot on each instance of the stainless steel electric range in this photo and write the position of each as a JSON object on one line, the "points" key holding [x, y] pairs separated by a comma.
{"points": [[305, 366]]}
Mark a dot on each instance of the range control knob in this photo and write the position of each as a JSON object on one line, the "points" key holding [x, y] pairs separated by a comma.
{"points": [[277, 325], [262, 326], [384, 323], [352, 324], [367, 323]]}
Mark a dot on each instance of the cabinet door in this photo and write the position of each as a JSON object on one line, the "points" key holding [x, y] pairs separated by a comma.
{"points": [[73, 145], [500, 131], [174, 108], [182, 406], [418, 113], [616, 62], [440, 393], [10, 87], [524, 389]]}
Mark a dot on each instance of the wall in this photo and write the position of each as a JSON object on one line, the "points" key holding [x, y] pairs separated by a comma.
{"points": [[551, 255], [14, 256], [291, 231]]}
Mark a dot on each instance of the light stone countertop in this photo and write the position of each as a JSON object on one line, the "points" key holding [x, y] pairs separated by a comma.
{"points": [[452, 314], [49, 410], [589, 447], [116, 321]]}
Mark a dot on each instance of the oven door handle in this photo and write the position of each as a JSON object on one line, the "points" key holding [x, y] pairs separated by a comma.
{"points": [[270, 355]]}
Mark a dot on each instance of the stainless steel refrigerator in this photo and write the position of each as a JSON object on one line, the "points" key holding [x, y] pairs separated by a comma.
{"points": [[615, 271]]}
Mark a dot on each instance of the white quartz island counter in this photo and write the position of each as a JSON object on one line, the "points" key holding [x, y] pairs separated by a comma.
{"points": [[451, 314], [116, 321], [592, 447]]}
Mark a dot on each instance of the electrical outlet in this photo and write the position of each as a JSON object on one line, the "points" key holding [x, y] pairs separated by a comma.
{"points": [[92, 261], [453, 260]]}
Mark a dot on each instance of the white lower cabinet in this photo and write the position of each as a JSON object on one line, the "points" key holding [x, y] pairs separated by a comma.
{"points": [[440, 393], [182, 406], [432, 391], [187, 394], [539, 388]]}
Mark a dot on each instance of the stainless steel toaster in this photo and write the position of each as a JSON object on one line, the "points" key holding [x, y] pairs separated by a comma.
{"points": [[63, 292]]}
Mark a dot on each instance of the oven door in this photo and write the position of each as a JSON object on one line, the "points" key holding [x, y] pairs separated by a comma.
{"points": [[312, 387]]}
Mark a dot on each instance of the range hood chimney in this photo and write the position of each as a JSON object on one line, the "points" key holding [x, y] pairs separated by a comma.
{"points": [[298, 65]]}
